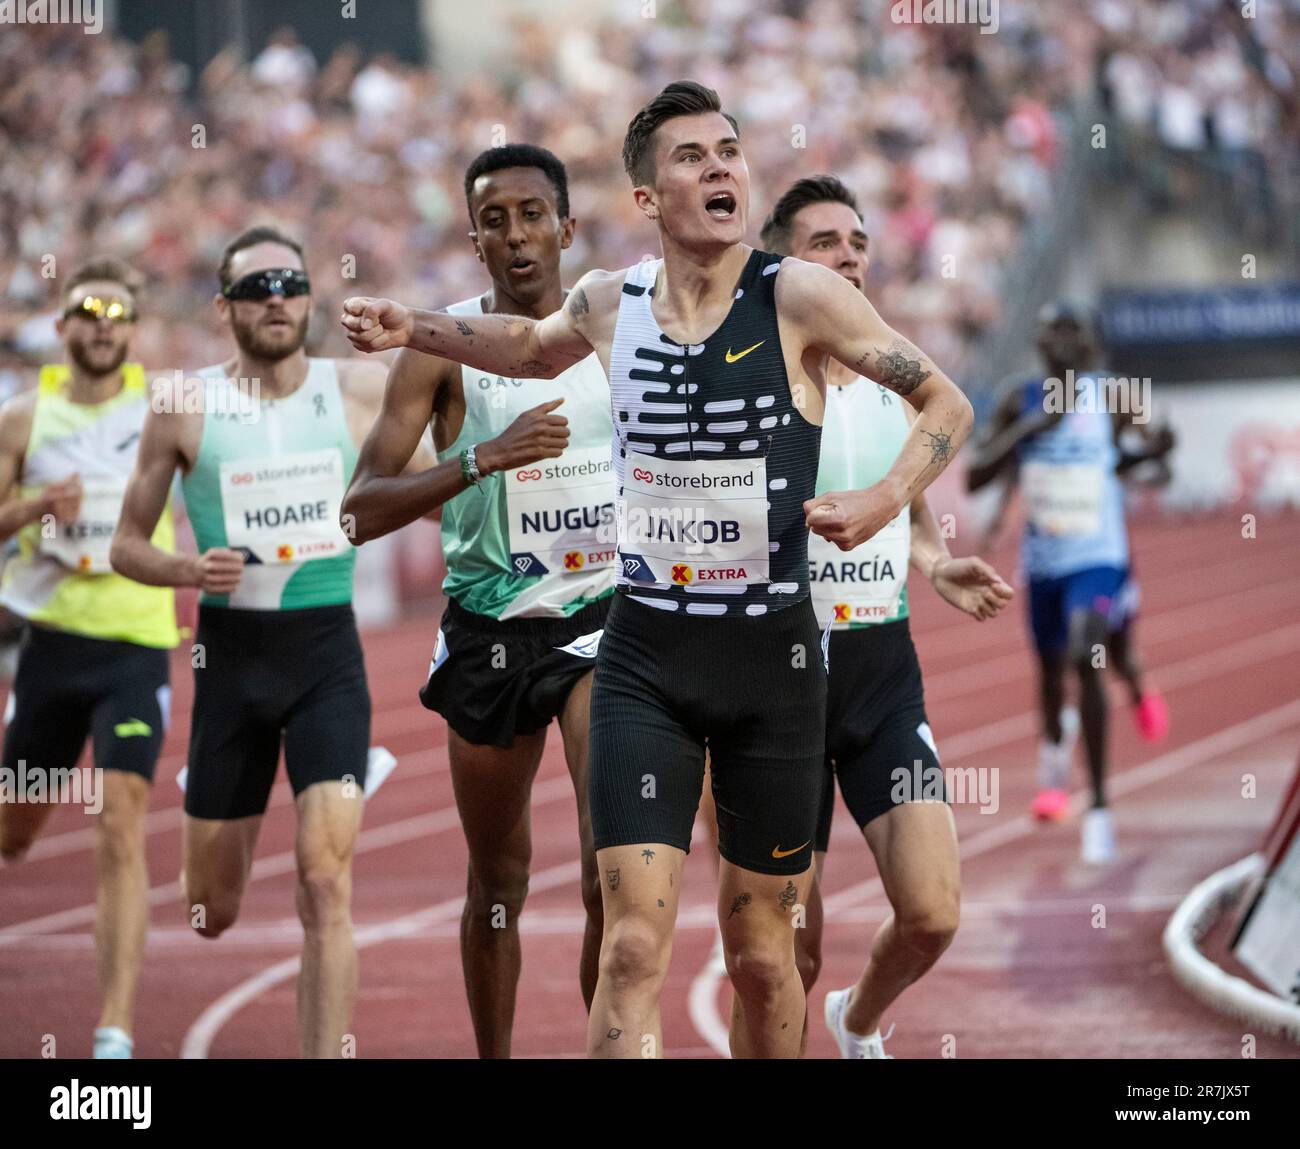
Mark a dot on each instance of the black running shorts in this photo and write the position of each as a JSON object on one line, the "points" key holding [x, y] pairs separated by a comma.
{"points": [[493, 681], [266, 676], [878, 739], [752, 689], [68, 687]]}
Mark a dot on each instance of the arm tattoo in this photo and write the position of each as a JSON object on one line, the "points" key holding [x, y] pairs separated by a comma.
{"points": [[577, 304], [940, 451], [530, 369], [464, 328], [901, 367], [741, 901]]}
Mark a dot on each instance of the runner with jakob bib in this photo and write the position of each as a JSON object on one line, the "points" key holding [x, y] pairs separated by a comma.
{"points": [[265, 457], [879, 745], [527, 500], [715, 358], [93, 659]]}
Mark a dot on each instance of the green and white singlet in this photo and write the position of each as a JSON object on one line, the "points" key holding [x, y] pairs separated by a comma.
{"points": [[862, 433], [61, 576], [535, 541], [269, 481]]}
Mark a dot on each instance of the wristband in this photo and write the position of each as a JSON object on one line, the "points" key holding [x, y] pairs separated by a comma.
{"points": [[469, 466]]}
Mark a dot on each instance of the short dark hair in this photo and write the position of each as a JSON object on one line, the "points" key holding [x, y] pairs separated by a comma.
{"points": [[519, 156], [779, 228], [105, 267], [680, 98], [262, 233]]}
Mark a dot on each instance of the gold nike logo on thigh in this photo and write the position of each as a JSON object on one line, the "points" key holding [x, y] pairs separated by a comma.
{"points": [[777, 852]]}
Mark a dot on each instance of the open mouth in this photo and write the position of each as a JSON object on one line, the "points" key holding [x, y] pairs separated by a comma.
{"points": [[721, 205], [522, 265]]}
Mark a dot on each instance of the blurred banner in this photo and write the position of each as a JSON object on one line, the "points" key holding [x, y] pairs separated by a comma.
{"points": [[1229, 332], [1238, 442]]}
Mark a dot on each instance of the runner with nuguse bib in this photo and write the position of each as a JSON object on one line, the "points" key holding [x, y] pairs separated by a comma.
{"points": [[879, 745], [93, 659], [528, 536], [266, 443], [1066, 460], [714, 356]]}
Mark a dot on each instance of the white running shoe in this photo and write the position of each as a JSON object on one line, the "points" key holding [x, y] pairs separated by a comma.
{"points": [[1055, 758], [113, 1044], [853, 1047], [1098, 845]]}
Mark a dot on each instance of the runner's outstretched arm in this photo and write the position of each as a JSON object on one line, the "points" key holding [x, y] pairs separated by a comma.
{"points": [[509, 345], [381, 498], [837, 320]]}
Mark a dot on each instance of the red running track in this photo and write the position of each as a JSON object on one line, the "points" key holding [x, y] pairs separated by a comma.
{"points": [[1031, 973]]}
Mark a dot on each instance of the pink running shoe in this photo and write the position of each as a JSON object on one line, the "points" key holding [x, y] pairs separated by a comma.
{"points": [[1051, 805], [1152, 717]]}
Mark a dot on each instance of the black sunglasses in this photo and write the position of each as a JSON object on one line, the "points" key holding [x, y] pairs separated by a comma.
{"points": [[261, 285]]}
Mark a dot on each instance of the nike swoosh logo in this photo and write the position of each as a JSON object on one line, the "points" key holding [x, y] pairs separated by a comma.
{"points": [[777, 852], [732, 359], [132, 727]]}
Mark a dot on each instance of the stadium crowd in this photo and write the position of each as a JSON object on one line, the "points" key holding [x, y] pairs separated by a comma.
{"points": [[950, 138]]}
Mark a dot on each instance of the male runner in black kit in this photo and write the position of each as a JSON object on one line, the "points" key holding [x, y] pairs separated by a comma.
{"points": [[715, 465]]}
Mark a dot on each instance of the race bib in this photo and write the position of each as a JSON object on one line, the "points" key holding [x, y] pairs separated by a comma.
{"points": [[694, 522], [285, 509], [864, 584], [83, 545], [1062, 498], [561, 513]]}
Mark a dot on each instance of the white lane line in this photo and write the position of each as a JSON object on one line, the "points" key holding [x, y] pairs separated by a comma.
{"points": [[199, 1037], [703, 997]]}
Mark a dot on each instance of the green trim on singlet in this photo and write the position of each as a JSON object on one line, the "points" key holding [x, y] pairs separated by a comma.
{"points": [[312, 418], [862, 434], [475, 526]]}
